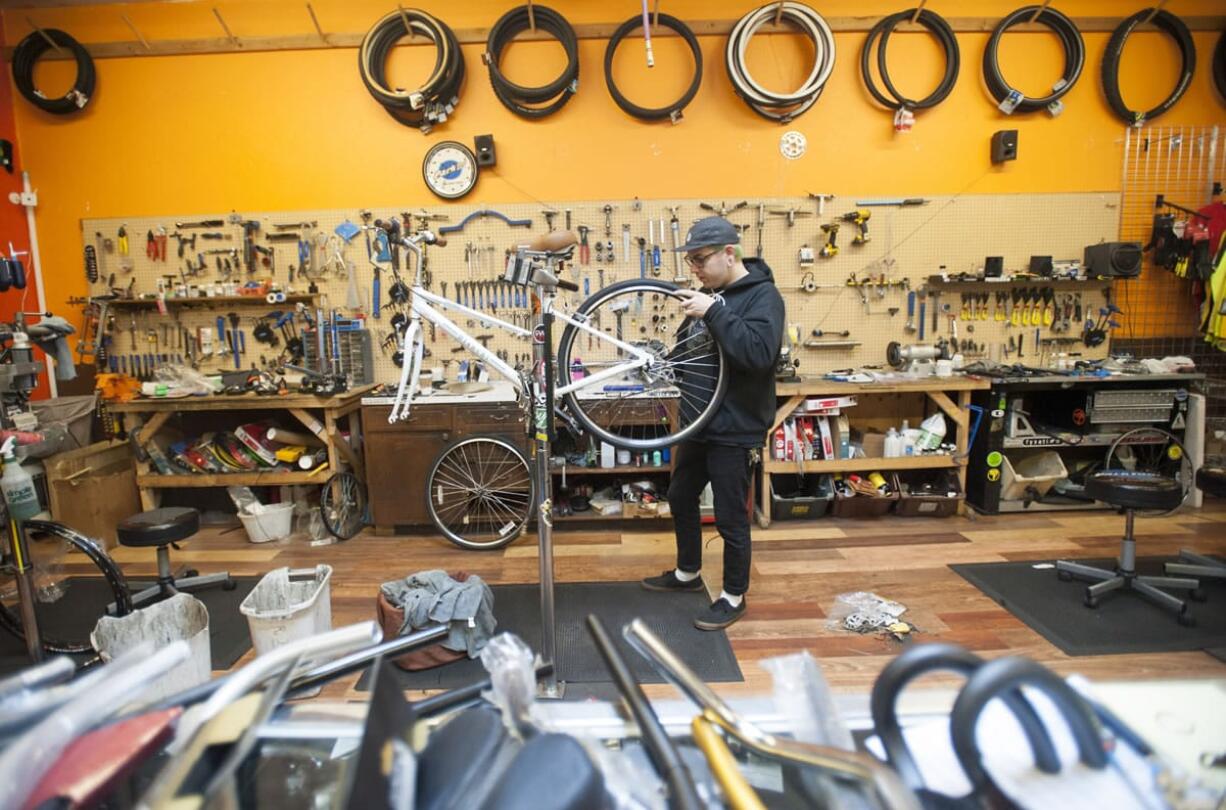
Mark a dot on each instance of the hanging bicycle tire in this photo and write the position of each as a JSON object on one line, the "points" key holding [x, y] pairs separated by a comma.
{"points": [[780, 107], [30, 50], [1173, 27], [435, 99], [672, 111], [481, 492], [1011, 100], [891, 98], [60, 580], [342, 505], [1219, 66], [658, 406], [553, 95]]}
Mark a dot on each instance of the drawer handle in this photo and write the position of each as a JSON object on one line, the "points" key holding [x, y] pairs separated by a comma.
{"points": [[502, 418]]}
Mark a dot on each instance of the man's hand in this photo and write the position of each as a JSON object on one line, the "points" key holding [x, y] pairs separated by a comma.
{"points": [[695, 304]]}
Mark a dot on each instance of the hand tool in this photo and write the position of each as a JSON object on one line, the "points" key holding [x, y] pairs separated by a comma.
{"points": [[1049, 308], [723, 210], [761, 228], [821, 202], [585, 252], [626, 241], [830, 248], [608, 220], [892, 201], [923, 304], [123, 240], [206, 223], [910, 325], [222, 348], [790, 213], [655, 247], [859, 219], [675, 225], [185, 242], [936, 310]]}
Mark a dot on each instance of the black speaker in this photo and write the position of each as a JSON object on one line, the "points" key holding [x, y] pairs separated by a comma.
{"points": [[1040, 266], [485, 151], [993, 266], [1004, 145], [1113, 259]]}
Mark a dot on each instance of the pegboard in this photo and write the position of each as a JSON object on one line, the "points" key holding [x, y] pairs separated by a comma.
{"points": [[906, 245]]}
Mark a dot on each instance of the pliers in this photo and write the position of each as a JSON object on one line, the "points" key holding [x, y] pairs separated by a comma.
{"points": [[155, 245]]}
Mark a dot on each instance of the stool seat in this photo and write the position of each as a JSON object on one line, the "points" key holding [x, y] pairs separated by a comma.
{"points": [[1212, 480], [158, 527], [1135, 490]]}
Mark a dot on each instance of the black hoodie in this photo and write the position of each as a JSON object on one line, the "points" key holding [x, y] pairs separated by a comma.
{"points": [[747, 322]]}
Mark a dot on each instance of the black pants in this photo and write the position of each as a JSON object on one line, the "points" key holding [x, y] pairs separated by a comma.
{"points": [[727, 468]]}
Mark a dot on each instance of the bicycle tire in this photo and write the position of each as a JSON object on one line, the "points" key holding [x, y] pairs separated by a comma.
{"points": [[1178, 32], [1185, 474], [575, 403], [342, 505], [513, 510], [122, 597], [672, 112]]}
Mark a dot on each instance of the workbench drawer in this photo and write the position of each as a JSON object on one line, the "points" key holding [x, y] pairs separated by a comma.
{"points": [[481, 418], [421, 418], [631, 413]]}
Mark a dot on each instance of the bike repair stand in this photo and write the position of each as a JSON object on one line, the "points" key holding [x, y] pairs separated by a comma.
{"points": [[23, 573], [542, 428]]}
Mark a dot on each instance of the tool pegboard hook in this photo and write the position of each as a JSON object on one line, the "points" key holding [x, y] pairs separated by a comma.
{"points": [[229, 34], [1039, 11], [531, 18], [315, 21], [779, 11], [655, 14], [918, 9], [1153, 12], [136, 31], [404, 18]]}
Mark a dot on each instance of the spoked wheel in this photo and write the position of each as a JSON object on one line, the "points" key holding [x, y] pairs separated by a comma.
{"points": [[660, 404], [70, 596], [342, 505], [1152, 450], [481, 492]]}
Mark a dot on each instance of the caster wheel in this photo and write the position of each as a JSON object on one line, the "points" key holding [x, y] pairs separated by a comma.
{"points": [[1198, 595], [1187, 619], [229, 585], [1064, 576], [1091, 601], [190, 572]]}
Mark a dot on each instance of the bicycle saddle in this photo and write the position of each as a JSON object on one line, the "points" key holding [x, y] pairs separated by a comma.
{"points": [[553, 242]]}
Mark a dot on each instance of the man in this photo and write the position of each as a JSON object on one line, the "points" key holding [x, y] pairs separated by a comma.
{"points": [[743, 311]]}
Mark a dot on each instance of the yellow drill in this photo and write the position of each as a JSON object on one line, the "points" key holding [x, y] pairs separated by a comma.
{"points": [[859, 219], [830, 248]]}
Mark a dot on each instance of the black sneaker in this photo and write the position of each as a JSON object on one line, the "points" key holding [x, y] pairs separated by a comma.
{"points": [[668, 582], [719, 615]]}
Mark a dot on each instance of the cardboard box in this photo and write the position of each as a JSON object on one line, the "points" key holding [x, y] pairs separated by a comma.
{"points": [[873, 444], [93, 488]]}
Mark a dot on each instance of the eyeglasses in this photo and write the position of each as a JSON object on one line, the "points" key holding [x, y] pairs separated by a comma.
{"points": [[699, 261]]}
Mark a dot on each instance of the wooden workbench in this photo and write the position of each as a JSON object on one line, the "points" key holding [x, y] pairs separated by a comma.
{"points": [[938, 389], [307, 409]]}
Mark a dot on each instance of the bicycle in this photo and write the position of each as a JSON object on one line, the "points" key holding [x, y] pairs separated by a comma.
{"points": [[636, 392]]}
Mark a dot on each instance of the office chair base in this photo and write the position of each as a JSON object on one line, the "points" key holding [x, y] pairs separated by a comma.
{"points": [[166, 588], [1121, 580], [1196, 565]]}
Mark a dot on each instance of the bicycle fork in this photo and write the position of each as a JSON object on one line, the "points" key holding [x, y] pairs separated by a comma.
{"points": [[542, 430], [25, 589]]}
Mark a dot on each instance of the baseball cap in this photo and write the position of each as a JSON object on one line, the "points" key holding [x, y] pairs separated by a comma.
{"points": [[709, 231]]}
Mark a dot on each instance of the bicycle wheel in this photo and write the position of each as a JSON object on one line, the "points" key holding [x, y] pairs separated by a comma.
{"points": [[70, 595], [480, 492], [342, 505], [658, 405], [1153, 450]]}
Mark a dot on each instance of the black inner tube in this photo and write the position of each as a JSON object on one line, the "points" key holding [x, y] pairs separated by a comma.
{"points": [[1011, 100], [671, 111], [1173, 27], [555, 94], [436, 99], [28, 52], [891, 98]]}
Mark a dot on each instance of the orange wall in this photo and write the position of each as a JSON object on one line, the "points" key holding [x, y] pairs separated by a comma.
{"points": [[296, 129]]}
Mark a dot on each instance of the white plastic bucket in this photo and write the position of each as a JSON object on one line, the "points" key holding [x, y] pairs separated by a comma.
{"points": [[182, 616], [272, 522], [288, 605]]}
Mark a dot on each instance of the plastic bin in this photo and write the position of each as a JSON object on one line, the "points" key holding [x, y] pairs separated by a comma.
{"points": [[796, 497], [289, 605], [865, 506], [181, 617], [272, 522], [928, 493], [1036, 472]]}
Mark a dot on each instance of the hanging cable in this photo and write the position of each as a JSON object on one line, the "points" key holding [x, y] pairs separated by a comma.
{"points": [[672, 111], [1010, 100], [891, 98], [1176, 30], [519, 99], [780, 107], [435, 100], [1219, 66], [28, 52]]}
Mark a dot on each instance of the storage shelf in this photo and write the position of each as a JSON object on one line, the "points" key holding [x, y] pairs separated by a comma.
{"points": [[270, 478], [847, 464], [591, 515], [629, 469], [1089, 440], [215, 301]]}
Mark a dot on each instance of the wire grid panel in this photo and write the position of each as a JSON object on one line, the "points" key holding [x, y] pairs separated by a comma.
{"points": [[905, 246], [1182, 164]]}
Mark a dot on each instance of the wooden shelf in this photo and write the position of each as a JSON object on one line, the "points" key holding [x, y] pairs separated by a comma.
{"points": [[847, 464], [271, 478], [592, 515], [818, 387], [215, 301], [629, 469]]}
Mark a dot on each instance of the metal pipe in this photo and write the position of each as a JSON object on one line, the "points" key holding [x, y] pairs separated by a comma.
{"points": [[27, 193], [362, 658], [25, 591]]}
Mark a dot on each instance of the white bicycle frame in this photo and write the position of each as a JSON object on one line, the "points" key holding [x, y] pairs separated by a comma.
{"points": [[423, 305]]}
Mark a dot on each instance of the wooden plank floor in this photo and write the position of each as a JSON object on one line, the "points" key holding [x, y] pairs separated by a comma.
{"points": [[797, 571]]}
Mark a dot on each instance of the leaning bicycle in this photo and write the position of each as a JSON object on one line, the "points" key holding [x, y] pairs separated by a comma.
{"points": [[629, 369]]}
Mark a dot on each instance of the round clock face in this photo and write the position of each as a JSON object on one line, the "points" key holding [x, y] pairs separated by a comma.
{"points": [[450, 170]]}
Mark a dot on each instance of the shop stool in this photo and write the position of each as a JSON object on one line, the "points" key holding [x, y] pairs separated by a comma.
{"points": [[1130, 491], [162, 528], [1211, 480]]}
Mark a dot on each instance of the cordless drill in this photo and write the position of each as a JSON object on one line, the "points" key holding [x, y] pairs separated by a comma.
{"points": [[830, 248], [859, 219]]}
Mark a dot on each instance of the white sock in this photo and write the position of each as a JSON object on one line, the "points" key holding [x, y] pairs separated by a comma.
{"points": [[685, 576], [735, 601]]}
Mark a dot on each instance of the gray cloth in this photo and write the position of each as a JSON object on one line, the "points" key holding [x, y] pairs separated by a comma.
{"points": [[51, 339], [432, 597]]}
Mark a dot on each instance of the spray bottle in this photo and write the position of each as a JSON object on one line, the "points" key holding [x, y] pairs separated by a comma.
{"points": [[17, 485]]}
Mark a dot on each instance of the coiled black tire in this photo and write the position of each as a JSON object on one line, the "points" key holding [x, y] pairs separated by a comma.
{"points": [[436, 99], [1074, 59], [671, 111], [780, 107], [553, 95], [891, 98], [28, 52], [1219, 66], [1173, 27], [120, 597]]}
